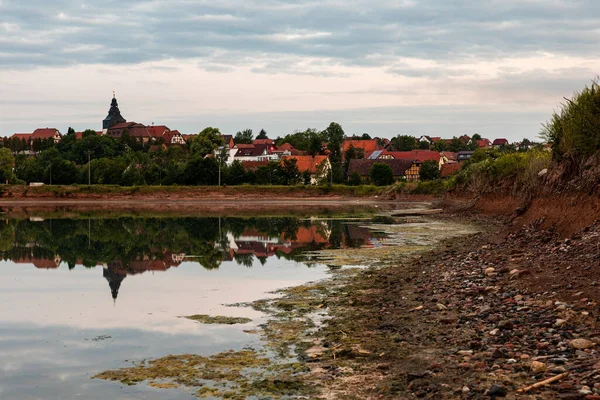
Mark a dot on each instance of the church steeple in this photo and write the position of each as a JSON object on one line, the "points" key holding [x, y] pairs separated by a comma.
{"points": [[114, 279], [114, 115]]}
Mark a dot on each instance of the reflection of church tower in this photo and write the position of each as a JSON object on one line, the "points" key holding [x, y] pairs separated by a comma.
{"points": [[114, 279], [114, 115]]}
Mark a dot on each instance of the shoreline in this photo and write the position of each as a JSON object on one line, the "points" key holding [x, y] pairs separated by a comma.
{"points": [[481, 316]]}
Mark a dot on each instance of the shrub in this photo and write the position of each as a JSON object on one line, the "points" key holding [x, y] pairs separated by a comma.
{"points": [[381, 174], [429, 171], [355, 179]]}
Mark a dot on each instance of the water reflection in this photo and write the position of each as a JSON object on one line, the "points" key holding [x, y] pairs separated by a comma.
{"points": [[130, 246]]}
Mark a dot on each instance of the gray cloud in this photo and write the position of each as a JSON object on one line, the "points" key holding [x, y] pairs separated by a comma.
{"points": [[241, 32]]}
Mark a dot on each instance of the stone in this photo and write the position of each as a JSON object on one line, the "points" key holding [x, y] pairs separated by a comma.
{"points": [[560, 322], [465, 353], [494, 332], [490, 271], [537, 367], [506, 325], [497, 391], [441, 307], [585, 390], [581, 344]]}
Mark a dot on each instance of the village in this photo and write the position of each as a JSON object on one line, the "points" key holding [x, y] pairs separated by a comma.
{"points": [[404, 154]]}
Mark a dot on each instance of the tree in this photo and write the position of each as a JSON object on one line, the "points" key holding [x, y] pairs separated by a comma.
{"points": [[6, 165], [288, 170], [424, 145], [355, 179], [244, 137], [262, 134], [404, 143], [206, 142], [381, 174], [476, 137], [334, 136], [440, 145], [429, 171], [456, 145], [65, 172]]}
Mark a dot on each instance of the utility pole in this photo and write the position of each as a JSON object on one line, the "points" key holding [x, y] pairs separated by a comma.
{"points": [[50, 173], [89, 153]]}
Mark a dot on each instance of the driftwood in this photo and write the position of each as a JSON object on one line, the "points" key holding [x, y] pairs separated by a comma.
{"points": [[543, 383]]}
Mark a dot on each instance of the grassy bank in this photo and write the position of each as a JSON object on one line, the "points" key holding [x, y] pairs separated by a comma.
{"points": [[82, 191]]}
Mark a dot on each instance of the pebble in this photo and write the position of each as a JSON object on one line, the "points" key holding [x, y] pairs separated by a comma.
{"points": [[497, 391], [585, 390], [581, 344], [537, 367]]}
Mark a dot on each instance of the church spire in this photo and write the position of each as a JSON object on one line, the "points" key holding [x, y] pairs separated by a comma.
{"points": [[114, 115]]}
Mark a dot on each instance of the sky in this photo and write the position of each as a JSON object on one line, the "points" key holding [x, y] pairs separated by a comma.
{"points": [[385, 67]]}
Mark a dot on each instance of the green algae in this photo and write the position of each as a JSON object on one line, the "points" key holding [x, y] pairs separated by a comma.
{"points": [[207, 319], [230, 375]]}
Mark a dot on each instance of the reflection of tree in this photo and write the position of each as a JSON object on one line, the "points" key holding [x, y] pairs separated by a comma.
{"points": [[247, 260], [135, 240]]}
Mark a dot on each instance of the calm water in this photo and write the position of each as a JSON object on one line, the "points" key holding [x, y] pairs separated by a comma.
{"points": [[79, 296]]}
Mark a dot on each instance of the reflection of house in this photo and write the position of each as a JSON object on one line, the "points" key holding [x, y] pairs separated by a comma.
{"points": [[114, 278], [41, 263]]}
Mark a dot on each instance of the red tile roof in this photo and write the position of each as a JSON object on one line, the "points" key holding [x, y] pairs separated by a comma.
{"points": [[286, 146], [79, 135], [368, 146], [449, 169], [254, 165], [21, 136], [417, 155], [307, 163], [157, 130], [263, 141], [484, 143], [44, 133], [500, 142]]}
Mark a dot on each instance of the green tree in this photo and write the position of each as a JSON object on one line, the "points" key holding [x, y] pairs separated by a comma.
{"points": [[355, 179], [288, 171], [423, 145], [262, 134], [7, 162], [244, 137], [381, 174], [476, 137], [65, 172], [404, 143], [456, 145], [440, 145], [206, 142], [334, 136], [429, 171]]}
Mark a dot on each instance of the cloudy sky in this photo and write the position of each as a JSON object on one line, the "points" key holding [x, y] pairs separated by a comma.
{"points": [[386, 67]]}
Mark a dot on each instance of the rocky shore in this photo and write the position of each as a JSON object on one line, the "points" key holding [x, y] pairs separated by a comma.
{"points": [[510, 313]]}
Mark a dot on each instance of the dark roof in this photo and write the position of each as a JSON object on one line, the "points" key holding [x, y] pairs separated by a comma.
{"points": [[500, 142], [44, 133], [256, 150], [364, 166]]}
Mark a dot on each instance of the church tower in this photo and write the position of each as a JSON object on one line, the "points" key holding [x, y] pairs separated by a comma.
{"points": [[114, 279], [114, 115]]}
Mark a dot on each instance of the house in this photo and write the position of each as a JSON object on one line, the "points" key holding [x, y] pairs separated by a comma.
{"points": [[449, 169], [367, 146], [173, 137], [448, 156], [260, 152], [484, 144], [414, 155], [79, 135], [465, 139], [39, 134], [228, 140], [402, 168], [254, 165], [133, 129], [318, 166], [499, 143], [269, 142], [464, 155]]}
